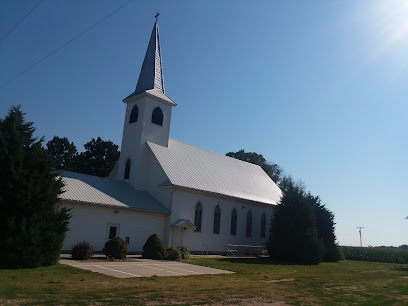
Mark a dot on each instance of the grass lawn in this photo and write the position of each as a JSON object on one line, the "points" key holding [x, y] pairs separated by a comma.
{"points": [[257, 281]]}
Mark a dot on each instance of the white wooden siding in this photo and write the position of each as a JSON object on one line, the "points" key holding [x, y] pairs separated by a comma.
{"points": [[90, 223]]}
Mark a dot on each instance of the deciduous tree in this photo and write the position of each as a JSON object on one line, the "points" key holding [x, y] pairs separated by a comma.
{"points": [[63, 151], [273, 170], [99, 158]]}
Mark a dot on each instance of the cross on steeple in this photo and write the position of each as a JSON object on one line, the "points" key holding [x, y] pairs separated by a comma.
{"points": [[157, 15]]}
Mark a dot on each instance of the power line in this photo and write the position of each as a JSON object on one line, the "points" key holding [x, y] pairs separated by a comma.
{"points": [[64, 45], [21, 20]]}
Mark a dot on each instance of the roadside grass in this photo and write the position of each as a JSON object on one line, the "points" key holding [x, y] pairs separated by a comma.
{"points": [[256, 281]]}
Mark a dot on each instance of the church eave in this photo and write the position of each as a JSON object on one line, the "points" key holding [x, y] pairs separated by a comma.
{"points": [[134, 97], [179, 187], [104, 205]]}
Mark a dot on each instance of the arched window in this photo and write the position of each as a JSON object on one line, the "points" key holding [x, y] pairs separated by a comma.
{"points": [[134, 114], [127, 169], [263, 225], [234, 222], [198, 217], [249, 224], [157, 116], [217, 220]]}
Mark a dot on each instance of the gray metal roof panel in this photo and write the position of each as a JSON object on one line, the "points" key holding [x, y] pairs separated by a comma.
{"points": [[195, 168], [104, 191]]}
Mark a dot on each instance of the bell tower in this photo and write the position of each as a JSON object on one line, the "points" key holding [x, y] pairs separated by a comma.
{"points": [[147, 118]]}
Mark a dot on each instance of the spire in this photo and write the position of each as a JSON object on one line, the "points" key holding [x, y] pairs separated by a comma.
{"points": [[151, 74]]}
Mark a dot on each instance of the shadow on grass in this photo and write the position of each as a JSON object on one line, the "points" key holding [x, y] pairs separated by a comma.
{"points": [[260, 261], [400, 269]]}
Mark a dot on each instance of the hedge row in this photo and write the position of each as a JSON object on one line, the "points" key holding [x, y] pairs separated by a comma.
{"points": [[376, 254]]}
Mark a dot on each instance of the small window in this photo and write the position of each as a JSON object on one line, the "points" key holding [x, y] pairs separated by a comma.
{"points": [[113, 230], [217, 220], [263, 225], [127, 170], [157, 116], [134, 114], [198, 217], [249, 224], [234, 222]]}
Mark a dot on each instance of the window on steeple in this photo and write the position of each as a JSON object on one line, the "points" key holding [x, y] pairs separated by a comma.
{"points": [[134, 114], [157, 116], [127, 169]]}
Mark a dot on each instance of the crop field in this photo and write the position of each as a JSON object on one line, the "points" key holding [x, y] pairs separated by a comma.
{"points": [[256, 281], [376, 254]]}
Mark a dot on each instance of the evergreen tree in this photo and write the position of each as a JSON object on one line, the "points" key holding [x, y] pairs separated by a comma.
{"points": [[63, 151], [325, 227], [32, 226], [294, 234]]}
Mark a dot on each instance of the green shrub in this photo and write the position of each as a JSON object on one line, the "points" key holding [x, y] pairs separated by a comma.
{"points": [[82, 251], [185, 254], [376, 254], [154, 248], [173, 253], [115, 248]]}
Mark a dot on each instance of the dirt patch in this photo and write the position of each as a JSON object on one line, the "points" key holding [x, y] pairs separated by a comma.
{"points": [[279, 280], [230, 301]]}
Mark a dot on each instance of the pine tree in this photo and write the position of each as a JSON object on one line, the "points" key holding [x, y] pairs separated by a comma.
{"points": [[326, 227], [32, 226], [294, 235]]}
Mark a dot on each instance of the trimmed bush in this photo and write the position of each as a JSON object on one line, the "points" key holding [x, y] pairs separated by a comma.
{"points": [[173, 253], [185, 254], [115, 248], [82, 251], [154, 248]]}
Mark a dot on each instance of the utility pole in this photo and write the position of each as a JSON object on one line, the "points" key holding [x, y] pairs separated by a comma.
{"points": [[359, 229]]}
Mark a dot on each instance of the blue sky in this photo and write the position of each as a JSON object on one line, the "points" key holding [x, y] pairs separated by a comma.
{"points": [[319, 87]]}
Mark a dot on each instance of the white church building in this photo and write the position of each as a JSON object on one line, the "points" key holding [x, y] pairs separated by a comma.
{"points": [[186, 195]]}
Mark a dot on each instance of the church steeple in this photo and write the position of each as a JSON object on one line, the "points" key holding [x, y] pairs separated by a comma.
{"points": [[151, 75], [147, 118]]}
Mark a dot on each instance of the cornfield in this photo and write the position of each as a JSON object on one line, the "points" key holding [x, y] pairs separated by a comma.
{"points": [[376, 254]]}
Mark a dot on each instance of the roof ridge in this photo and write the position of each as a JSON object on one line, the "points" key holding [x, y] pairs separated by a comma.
{"points": [[223, 155]]}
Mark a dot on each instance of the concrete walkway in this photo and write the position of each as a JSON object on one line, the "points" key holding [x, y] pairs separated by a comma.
{"points": [[142, 268]]}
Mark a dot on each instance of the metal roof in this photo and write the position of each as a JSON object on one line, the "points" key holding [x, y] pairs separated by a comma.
{"points": [[195, 168], [151, 75], [103, 191]]}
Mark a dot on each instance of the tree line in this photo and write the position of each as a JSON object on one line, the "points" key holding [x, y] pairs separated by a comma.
{"points": [[98, 159]]}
